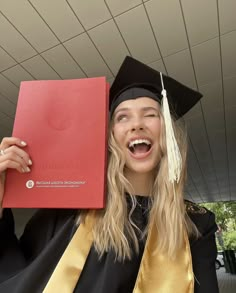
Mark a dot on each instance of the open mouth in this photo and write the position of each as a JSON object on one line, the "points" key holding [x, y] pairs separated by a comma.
{"points": [[139, 146]]}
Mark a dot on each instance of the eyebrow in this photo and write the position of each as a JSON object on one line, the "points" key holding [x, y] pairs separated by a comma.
{"points": [[144, 109]]}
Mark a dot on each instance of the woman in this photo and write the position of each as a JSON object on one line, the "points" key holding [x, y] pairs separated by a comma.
{"points": [[147, 239]]}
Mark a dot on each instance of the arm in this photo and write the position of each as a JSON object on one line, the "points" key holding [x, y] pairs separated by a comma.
{"points": [[204, 253], [11, 257], [12, 156]]}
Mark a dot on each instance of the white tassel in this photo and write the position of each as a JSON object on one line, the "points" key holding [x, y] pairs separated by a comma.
{"points": [[173, 152]]}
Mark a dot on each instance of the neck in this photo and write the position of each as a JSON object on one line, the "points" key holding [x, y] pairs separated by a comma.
{"points": [[141, 183]]}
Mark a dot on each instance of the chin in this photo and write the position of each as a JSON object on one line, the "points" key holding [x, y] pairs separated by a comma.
{"points": [[141, 169]]}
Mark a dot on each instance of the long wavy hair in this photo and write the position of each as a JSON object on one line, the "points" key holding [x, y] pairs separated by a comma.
{"points": [[114, 228]]}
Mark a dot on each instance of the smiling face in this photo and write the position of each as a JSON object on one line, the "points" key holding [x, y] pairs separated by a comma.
{"points": [[136, 129]]}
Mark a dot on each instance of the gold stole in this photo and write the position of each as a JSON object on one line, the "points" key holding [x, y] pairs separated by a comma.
{"points": [[156, 274]]}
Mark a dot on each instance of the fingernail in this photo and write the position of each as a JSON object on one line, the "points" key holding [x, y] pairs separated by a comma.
{"points": [[23, 170], [30, 162], [27, 169], [23, 143]]}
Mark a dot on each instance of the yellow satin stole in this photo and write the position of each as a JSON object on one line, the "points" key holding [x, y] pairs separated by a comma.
{"points": [[157, 274]]}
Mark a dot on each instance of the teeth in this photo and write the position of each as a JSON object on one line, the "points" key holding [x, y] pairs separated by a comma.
{"points": [[137, 141]]}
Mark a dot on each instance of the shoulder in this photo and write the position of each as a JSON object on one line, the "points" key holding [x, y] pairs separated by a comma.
{"points": [[44, 225], [46, 222], [201, 217], [50, 217], [193, 208], [203, 248]]}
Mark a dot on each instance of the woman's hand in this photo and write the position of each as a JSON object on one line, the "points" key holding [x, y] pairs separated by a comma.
{"points": [[12, 156]]}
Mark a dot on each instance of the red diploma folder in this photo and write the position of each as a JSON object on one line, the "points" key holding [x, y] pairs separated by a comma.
{"points": [[64, 123]]}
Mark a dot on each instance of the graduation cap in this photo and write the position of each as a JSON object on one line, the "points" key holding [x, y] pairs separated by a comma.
{"points": [[135, 79], [137, 76]]}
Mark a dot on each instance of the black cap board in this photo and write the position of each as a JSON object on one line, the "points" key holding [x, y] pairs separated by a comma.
{"points": [[135, 79]]}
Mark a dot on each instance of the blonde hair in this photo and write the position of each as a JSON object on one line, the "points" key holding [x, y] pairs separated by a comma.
{"points": [[114, 228]]}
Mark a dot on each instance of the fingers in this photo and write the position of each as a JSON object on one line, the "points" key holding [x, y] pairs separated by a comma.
{"points": [[14, 164], [16, 153], [8, 141], [13, 156]]}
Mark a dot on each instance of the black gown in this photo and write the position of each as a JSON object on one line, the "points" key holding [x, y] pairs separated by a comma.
{"points": [[27, 264]]}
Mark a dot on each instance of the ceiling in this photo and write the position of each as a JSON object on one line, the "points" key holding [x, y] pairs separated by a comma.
{"points": [[192, 41]]}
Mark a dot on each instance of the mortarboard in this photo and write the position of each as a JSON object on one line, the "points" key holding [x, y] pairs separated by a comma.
{"points": [[135, 79], [134, 74]]}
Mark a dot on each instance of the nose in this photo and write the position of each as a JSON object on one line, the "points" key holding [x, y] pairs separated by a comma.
{"points": [[137, 124]]}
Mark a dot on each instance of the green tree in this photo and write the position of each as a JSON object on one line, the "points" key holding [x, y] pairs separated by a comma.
{"points": [[225, 213]]}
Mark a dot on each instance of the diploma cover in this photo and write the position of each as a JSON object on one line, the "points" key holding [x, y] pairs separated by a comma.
{"points": [[64, 123]]}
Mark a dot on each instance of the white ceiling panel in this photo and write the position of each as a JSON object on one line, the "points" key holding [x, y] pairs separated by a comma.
{"points": [[225, 197], [233, 188], [190, 187], [228, 43], [210, 197], [201, 20], [37, 33], [5, 60], [232, 158], [179, 66], [87, 56], [232, 180], [227, 15], [110, 44], [212, 185], [6, 121], [188, 194], [208, 170], [198, 137], [141, 45], [214, 120], [4, 132], [7, 106], [63, 63], [230, 120], [110, 80], [56, 21], [197, 181], [231, 139], [224, 188], [168, 15], [158, 65], [212, 104], [193, 169], [118, 7], [224, 183], [17, 74], [206, 57], [12, 41], [8, 89], [202, 152], [219, 154], [218, 142], [212, 96], [197, 192], [196, 111], [39, 68], [229, 91], [90, 14]]}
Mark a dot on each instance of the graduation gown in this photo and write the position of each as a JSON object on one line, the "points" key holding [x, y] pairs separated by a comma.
{"points": [[26, 264]]}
